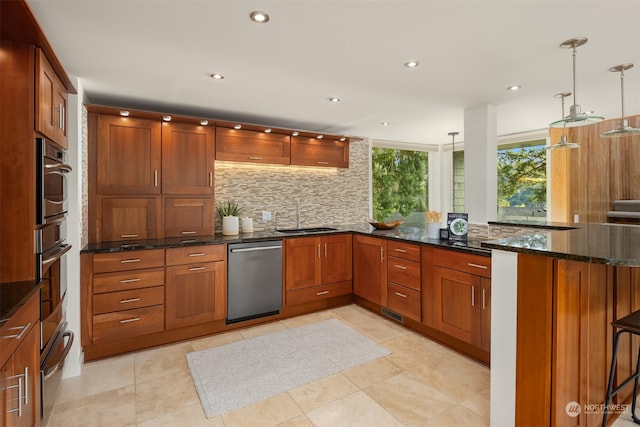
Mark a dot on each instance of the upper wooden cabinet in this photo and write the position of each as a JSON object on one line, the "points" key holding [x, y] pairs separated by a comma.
{"points": [[128, 157], [127, 218], [251, 146], [188, 216], [51, 108], [188, 154], [319, 152]]}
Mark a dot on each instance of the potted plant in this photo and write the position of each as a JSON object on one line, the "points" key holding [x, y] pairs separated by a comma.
{"points": [[229, 212]]}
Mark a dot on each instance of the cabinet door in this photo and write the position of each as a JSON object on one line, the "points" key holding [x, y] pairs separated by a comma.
{"points": [[128, 219], [319, 152], [485, 305], [21, 376], [196, 293], [251, 146], [302, 262], [459, 313], [128, 158], [370, 269], [336, 256], [184, 217], [187, 159], [51, 109]]}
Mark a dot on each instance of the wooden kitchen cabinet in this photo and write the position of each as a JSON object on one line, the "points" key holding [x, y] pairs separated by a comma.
{"points": [[188, 155], [127, 218], [188, 216], [403, 279], [196, 285], [51, 106], [307, 151], [128, 156], [317, 267], [241, 145], [370, 269]]}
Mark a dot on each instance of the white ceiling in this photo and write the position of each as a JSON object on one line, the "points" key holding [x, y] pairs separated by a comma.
{"points": [[159, 54]]}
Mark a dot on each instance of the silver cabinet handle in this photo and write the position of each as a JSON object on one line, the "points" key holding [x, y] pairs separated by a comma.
{"points": [[318, 250], [325, 250], [155, 177], [18, 335], [197, 254], [322, 293], [484, 299], [26, 385], [128, 236], [401, 267], [19, 386], [257, 248], [61, 117], [134, 319], [484, 267], [401, 294], [404, 251], [322, 163], [196, 268], [473, 296], [255, 158], [210, 179], [129, 261], [381, 254], [125, 301], [130, 280], [184, 233]]}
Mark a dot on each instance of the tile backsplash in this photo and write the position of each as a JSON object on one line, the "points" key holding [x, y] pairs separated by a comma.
{"points": [[327, 196]]}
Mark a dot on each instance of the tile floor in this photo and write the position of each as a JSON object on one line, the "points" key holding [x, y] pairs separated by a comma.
{"points": [[420, 384]]}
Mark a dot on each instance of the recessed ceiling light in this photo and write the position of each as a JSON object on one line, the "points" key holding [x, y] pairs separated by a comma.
{"points": [[166, 118], [296, 133], [204, 122], [237, 126], [259, 17], [334, 99], [411, 64], [124, 113], [217, 76], [514, 87], [320, 136], [385, 123], [267, 130]]}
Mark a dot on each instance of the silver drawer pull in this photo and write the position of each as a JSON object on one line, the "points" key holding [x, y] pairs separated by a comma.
{"points": [[484, 267], [128, 236], [322, 163], [187, 232], [404, 251], [401, 294], [198, 254], [19, 335], [128, 261], [124, 301], [255, 158], [134, 319], [196, 268], [322, 293], [130, 280], [401, 267]]}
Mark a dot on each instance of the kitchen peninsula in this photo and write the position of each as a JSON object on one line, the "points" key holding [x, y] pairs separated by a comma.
{"points": [[552, 346]]}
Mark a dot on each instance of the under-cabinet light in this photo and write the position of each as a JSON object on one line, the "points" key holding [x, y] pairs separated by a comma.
{"points": [[237, 126], [167, 118]]}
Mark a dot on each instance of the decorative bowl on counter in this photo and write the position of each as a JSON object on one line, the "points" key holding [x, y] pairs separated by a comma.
{"points": [[385, 225]]}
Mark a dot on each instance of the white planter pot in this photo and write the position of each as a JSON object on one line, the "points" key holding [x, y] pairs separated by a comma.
{"points": [[230, 225]]}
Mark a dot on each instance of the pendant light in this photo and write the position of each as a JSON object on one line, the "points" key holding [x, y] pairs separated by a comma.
{"points": [[576, 117], [563, 139], [453, 170], [623, 129]]}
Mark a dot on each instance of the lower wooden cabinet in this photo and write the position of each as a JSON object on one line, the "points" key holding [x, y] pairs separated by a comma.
{"points": [[370, 268], [403, 300]]}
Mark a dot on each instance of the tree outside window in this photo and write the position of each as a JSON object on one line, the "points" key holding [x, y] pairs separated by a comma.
{"points": [[400, 184]]}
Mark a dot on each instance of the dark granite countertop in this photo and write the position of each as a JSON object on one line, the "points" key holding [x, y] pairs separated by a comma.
{"points": [[13, 296], [409, 234], [613, 244], [542, 223]]}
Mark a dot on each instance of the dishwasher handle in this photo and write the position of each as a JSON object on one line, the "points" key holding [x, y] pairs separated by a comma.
{"points": [[259, 248]]}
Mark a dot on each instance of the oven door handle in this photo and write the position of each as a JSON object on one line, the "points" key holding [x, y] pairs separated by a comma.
{"points": [[47, 372], [59, 166], [56, 256]]}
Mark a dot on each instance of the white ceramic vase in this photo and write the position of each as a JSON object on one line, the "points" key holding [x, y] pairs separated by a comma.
{"points": [[230, 225]]}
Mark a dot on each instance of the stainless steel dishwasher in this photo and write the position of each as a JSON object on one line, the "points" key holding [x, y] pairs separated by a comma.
{"points": [[254, 280]]}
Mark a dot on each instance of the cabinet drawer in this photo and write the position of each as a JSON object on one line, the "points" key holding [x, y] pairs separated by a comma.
{"points": [[128, 323], [404, 301], [403, 250], [127, 300], [474, 264], [196, 254], [126, 280], [17, 327], [403, 272], [318, 292], [128, 260]]}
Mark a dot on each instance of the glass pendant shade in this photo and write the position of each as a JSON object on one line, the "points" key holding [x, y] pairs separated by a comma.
{"points": [[564, 143], [623, 128], [575, 117]]}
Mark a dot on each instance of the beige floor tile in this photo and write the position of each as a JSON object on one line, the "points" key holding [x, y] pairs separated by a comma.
{"points": [[266, 413], [299, 421], [410, 400], [259, 330], [164, 395], [478, 403], [97, 377], [307, 319], [162, 361], [372, 372], [114, 408], [216, 340], [458, 416], [355, 410], [318, 393], [191, 416]]}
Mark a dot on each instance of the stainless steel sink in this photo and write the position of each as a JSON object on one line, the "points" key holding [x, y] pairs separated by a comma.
{"points": [[307, 230]]}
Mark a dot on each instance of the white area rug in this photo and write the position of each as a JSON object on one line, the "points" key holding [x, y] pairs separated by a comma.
{"points": [[238, 374]]}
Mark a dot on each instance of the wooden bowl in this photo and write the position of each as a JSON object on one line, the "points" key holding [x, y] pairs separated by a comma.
{"points": [[385, 225]]}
